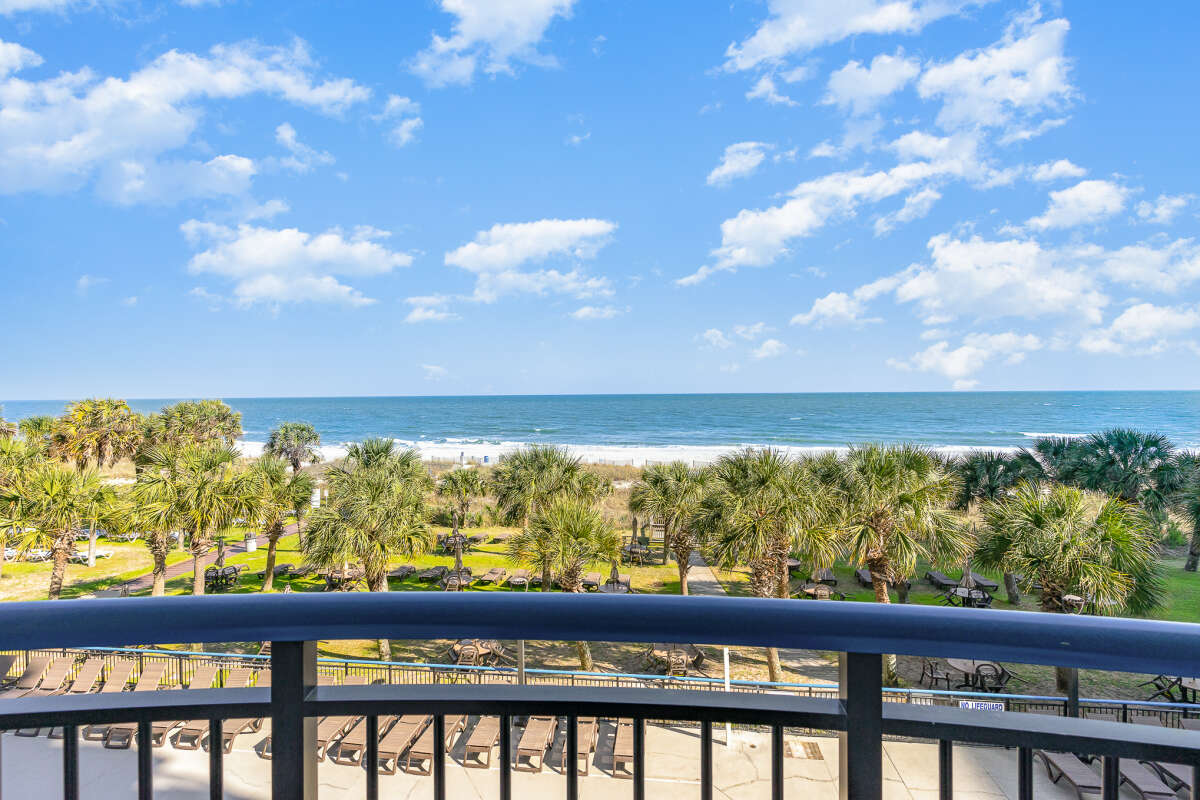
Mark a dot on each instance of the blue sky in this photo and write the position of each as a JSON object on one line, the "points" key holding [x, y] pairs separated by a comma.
{"points": [[248, 198]]}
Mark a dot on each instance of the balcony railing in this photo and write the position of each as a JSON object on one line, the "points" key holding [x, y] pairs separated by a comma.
{"points": [[860, 632]]}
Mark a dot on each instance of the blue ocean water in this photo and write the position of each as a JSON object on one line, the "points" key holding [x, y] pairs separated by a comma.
{"points": [[635, 422]]}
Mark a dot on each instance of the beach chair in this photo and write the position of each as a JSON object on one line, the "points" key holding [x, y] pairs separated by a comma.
{"points": [[863, 576], [191, 734], [160, 730], [52, 683], [28, 680], [85, 681], [118, 676], [592, 581], [520, 577], [477, 753], [233, 728], [535, 741], [53, 679], [432, 574], [1177, 776], [535, 579], [986, 584], [625, 581], [1145, 781], [353, 743], [585, 744], [419, 760], [940, 581], [6, 663], [827, 577], [402, 572], [1067, 766], [328, 728], [399, 738], [623, 750], [493, 575]]}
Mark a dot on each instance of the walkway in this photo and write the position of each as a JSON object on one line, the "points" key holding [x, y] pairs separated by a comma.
{"points": [[812, 666], [144, 583]]}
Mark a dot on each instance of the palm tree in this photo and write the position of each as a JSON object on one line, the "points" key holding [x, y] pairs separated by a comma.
{"points": [[376, 510], [1097, 547], [17, 459], [460, 487], [38, 431], [566, 535], [531, 477], [1187, 502], [279, 493], [193, 422], [7, 429], [97, 430], [758, 507], [50, 503], [294, 441], [1135, 466], [98, 511], [672, 495], [154, 508]]}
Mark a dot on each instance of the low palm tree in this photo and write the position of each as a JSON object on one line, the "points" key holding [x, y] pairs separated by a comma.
{"points": [[672, 493], [460, 487], [154, 509], [376, 510], [567, 535], [758, 507], [531, 477], [193, 422], [296, 442], [1096, 547], [1187, 502], [7, 429], [50, 503], [280, 492], [38, 431], [17, 459], [100, 430], [1135, 466]]}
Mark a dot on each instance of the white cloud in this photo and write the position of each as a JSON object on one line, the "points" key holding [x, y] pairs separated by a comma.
{"points": [[268, 210], [406, 113], [288, 265], [1164, 209], [1142, 328], [489, 36], [715, 338], [433, 372], [916, 206], [86, 282], [798, 26], [770, 348], [1084, 203], [597, 312], [8, 7], [740, 160], [14, 57], [429, 308], [497, 254], [1024, 73], [62, 133], [833, 307], [303, 158], [750, 332], [130, 301], [1164, 267], [577, 139], [861, 89], [977, 349], [1056, 170], [765, 89]]}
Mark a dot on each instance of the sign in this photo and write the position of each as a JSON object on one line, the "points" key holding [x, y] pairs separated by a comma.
{"points": [[980, 705]]}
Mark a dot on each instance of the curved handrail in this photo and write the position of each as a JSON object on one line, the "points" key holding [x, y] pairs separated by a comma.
{"points": [[1127, 645]]}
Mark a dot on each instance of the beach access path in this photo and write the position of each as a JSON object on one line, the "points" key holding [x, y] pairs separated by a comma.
{"points": [[812, 666], [145, 582]]}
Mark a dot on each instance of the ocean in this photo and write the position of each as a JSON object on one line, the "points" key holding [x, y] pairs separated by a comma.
{"points": [[634, 429]]}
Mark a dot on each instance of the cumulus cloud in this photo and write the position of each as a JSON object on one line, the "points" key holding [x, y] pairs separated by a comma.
{"points": [[301, 158], [1026, 72], [750, 332], [429, 308], [62, 133], [1142, 328], [861, 89], [404, 116], [1164, 266], [765, 89], [715, 338], [490, 37], [740, 159], [770, 348], [977, 349], [597, 312], [1057, 170], [916, 206], [1085, 203], [1164, 209], [497, 255], [276, 266], [86, 282]]}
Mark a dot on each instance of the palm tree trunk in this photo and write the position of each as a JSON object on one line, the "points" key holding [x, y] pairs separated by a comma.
{"points": [[683, 573], [1193, 557], [377, 582], [547, 579], [269, 575], [92, 544], [295, 465], [3, 547], [58, 571], [197, 575], [585, 656], [880, 585], [1010, 587], [160, 575]]}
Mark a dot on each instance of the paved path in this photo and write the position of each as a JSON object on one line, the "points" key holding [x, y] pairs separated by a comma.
{"points": [[812, 666], [144, 583]]}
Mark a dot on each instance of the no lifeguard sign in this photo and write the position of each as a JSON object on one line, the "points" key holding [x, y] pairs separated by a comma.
{"points": [[980, 705]]}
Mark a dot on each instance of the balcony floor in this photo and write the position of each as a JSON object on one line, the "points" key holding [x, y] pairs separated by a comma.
{"points": [[30, 769]]}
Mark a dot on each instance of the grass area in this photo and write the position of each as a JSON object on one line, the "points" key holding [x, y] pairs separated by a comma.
{"points": [[30, 581]]}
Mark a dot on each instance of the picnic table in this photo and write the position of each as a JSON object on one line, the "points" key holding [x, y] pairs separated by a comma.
{"points": [[635, 553], [487, 650], [970, 669], [967, 598], [343, 580], [613, 588], [821, 591], [668, 654]]}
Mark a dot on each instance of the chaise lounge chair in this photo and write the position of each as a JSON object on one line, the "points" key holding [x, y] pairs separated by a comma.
{"points": [[940, 581], [85, 681], [826, 577], [233, 728], [400, 738], [493, 575], [202, 678], [1059, 766], [623, 750], [1145, 781], [987, 584], [520, 577], [191, 735], [592, 581], [433, 574], [328, 728], [535, 741], [353, 744], [483, 738], [148, 681], [419, 760], [863, 576], [402, 572], [52, 683], [585, 744], [6, 663], [29, 678]]}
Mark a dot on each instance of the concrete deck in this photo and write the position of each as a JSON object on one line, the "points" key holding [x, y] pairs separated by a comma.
{"points": [[32, 768]]}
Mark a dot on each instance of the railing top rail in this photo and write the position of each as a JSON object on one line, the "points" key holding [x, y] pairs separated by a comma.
{"points": [[1128, 645]]}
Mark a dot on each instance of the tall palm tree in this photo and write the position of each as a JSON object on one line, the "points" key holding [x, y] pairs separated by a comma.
{"points": [[758, 507], [1187, 502], [296, 442], [98, 512], [193, 422], [38, 431], [17, 459], [1097, 547], [279, 492], [98, 430], [531, 477], [155, 508], [50, 503], [376, 510], [460, 487], [567, 535], [672, 493]]}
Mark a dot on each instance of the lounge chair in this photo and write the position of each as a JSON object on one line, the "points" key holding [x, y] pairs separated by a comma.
{"points": [[827, 577], [281, 570], [193, 732], [1145, 781], [53, 682], [6, 663], [202, 678], [85, 681], [863, 576], [625, 581], [400, 573], [592, 580], [432, 574], [480, 743], [53, 679], [493, 575], [419, 760], [399, 738], [148, 681], [1177, 776], [987, 584], [940, 581], [328, 728], [536, 579], [1059, 766], [233, 728], [353, 743], [623, 750], [535, 741], [28, 680], [520, 577], [585, 744]]}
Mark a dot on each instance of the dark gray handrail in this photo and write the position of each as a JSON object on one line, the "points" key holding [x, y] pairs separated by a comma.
{"points": [[1128, 645]]}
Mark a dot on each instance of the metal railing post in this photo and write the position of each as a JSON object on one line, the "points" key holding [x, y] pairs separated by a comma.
{"points": [[293, 735], [860, 750], [945, 769], [1072, 692]]}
